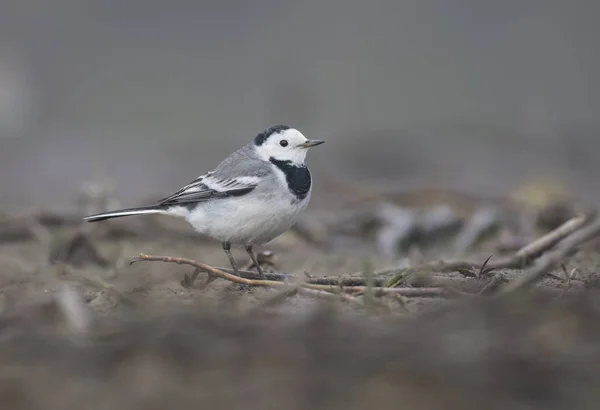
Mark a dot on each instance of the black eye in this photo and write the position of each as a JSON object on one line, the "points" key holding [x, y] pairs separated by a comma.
{"points": [[283, 143]]}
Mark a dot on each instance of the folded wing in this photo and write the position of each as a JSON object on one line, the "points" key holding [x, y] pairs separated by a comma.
{"points": [[208, 187]]}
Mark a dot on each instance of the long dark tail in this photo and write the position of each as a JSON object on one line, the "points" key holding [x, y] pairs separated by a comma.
{"points": [[144, 210]]}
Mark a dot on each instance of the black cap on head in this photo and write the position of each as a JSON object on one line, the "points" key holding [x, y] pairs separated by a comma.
{"points": [[263, 136]]}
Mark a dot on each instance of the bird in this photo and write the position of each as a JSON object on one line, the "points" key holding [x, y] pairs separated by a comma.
{"points": [[251, 197]]}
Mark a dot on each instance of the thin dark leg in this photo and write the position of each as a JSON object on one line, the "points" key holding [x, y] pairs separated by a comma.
{"points": [[227, 249], [258, 268], [188, 281]]}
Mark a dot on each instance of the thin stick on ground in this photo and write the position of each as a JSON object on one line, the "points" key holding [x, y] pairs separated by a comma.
{"points": [[354, 279], [553, 237], [415, 292], [553, 258], [247, 274], [206, 268], [519, 259]]}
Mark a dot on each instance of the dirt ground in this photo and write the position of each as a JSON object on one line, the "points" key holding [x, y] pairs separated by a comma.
{"points": [[90, 331]]}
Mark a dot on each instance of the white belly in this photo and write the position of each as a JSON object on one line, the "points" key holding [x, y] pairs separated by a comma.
{"points": [[247, 221]]}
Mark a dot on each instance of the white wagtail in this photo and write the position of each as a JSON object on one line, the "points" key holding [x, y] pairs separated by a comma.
{"points": [[250, 198]]}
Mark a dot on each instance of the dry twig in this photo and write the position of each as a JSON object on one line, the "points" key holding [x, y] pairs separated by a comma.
{"points": [[551, 259], [521, 258], [552, 238], [421, 292]]}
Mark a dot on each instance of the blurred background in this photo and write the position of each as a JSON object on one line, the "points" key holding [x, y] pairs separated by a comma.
{"points": [[469, 94]]}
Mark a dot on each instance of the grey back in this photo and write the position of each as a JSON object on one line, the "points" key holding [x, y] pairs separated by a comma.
{"points": [[241, 163]]}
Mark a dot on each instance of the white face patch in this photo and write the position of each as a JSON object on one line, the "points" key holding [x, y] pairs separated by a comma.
{"points": [[284, 146]]}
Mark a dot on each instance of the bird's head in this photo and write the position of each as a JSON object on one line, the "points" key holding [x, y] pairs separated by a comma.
{"points": [[283, 143]]}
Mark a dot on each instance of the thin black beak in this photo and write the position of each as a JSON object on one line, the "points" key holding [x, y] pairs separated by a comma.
{"points": [[311, 143]]}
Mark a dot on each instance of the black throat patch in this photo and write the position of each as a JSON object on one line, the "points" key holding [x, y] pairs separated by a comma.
{"points": [[297, 177]]}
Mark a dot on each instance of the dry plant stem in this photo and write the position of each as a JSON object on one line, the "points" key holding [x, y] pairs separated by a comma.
{"points": [[551, 259], [520, 258], [247, 274], [553, 237], [353, 280], [206, 268], [422, 292]]}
